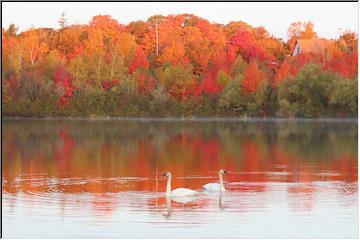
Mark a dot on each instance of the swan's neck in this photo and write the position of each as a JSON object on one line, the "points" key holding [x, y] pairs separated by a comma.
{"points": [[168, 186], [222, 188]]}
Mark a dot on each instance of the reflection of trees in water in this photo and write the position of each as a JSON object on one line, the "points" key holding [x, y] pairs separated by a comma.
{"points": [[96, 157], [112, 149], [314, 141]]}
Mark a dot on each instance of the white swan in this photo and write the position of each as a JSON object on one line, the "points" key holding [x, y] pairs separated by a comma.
{"points": [[217, 186], [179, 192]]}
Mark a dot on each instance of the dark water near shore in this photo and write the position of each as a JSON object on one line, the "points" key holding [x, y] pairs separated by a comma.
{"points": [[98, 178]]}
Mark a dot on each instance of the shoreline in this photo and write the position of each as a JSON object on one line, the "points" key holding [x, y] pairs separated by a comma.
{"points": [[187, 119]]}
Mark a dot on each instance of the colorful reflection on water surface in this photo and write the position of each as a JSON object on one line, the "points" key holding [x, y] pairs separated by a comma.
{"points": [[94, 178]]}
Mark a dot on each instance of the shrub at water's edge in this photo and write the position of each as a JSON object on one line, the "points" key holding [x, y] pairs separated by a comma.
{"points": [[311, 93]]}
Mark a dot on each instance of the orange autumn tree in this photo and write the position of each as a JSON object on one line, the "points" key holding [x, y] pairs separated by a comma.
{"points": [[68, 40], [252, 77], [108, 26], [198, 48], [281, 73], [301, 30], [174, 53]]}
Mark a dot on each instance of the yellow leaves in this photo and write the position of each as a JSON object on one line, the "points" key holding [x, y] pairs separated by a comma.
{"points": [[78, 69], [50, 61], [12, 54], [94, 43], [121, 45], [34, 46], [124, 43], [233, 27], [301, 30], [121, 49]]}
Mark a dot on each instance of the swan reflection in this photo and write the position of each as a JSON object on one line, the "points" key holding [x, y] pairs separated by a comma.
{"points": [[183, 200], [221, 206], [168, 205]]}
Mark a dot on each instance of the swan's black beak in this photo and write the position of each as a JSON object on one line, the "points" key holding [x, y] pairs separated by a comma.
{"points": [[226, 172], [164, 174]]}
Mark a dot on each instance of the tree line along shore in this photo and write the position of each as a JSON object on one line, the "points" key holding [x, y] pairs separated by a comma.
{"points": [[174, 66]]}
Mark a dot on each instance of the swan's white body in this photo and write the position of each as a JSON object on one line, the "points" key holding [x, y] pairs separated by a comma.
{"points": [[179, 192], [212, 187], [182, 192]]}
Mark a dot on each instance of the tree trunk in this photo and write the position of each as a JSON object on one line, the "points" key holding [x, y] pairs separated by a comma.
{"points": [[31, 56], [112, 66], [98, 70]]}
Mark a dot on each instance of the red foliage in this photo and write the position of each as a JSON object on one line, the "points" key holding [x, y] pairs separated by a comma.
{"points": [[250, 151], [63, 151], [13, 82], [61, 77], [194, 90], [107, 86], [63, 101], [145, 85], [346, 64], [151, 84], [141, 83], [64, 79], [139, 61], [209, 84], [78, 50], [221, 60], [252, 77], [299, 61], [245, 44]]}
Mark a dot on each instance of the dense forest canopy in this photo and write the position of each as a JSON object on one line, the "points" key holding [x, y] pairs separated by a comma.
{"points": [[177, 65]]}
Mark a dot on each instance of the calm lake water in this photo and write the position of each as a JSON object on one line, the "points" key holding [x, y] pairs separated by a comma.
{"points": [[102, 178]]}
